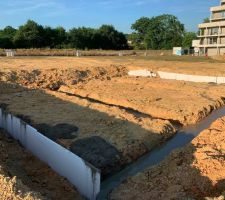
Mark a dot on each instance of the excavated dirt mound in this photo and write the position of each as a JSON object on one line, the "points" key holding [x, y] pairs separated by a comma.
{"points": [[54, 78], [131, 134], [179, 101], [23, 177], [125, 117], [194, 172]]}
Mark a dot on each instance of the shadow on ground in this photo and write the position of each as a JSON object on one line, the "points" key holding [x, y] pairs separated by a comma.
{"points": [[106, 141], [179, 177]]}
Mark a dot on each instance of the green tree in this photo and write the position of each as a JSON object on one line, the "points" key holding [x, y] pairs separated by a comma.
{"points": [[140, 27], [206, 20], [6, 37], [9, 31], [161, 32], [137, 42], [164, 32], [111, 38], [48, 38], [121, 41], [81, 38], [33, 35], [60, 37], [106, 37], [29, 35], [188, 38], [54, 37]]}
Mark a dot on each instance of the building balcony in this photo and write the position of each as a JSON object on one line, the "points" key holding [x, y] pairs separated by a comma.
{"points": [[211, 45], [203, 36], [217, 8], [212, 35], [212, 24], [217, 19]]}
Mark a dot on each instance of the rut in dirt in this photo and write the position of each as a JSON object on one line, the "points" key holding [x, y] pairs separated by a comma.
{"points": [[182, 138]]}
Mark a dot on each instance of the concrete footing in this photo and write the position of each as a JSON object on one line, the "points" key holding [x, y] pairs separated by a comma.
{"points": [[84, 176], [191, 78]]}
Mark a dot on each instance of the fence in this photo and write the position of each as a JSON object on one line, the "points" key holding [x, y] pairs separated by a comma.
{"points": [[81, 174]]}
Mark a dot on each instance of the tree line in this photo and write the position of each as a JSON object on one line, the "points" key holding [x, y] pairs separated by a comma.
{"points": [[33, 35], [160, 32]]}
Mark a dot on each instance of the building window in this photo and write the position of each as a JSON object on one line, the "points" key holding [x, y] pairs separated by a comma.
{"points": [[201, 41], [223, 14], [214, 31], [202, 32], [222, 30], [212, 40]]}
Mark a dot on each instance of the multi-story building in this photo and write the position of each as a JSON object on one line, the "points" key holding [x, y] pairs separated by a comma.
{"points": [[212, 34]]}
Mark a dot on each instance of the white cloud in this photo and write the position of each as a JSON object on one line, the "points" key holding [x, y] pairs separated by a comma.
{"points": [[15, 7]]}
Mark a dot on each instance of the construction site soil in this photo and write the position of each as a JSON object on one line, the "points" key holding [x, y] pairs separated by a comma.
{"points": [[196, 171], [182, 65], [186, 103], [24, 177], [125, 133], [93, 108]]}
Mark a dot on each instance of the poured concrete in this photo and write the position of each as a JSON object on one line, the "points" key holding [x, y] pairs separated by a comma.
{"points": [[145, 73], [191, 78]]}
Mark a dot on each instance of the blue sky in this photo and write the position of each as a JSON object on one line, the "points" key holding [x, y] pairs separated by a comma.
{"points": [[93, 13]]}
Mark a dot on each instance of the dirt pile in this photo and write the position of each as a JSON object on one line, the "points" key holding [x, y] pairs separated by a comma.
{"points": [[106, 109], [194, 172], [54, 78], [23, 177], [179, 101], [130, 133], [14, 189]]}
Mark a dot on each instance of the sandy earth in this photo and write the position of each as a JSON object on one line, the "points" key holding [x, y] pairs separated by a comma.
{"points": [[55, 77], [180, 101], [20, 176], [105, 117], [105, 80], [196, 171], [192, 68], [27, 63], [127, 134]]}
